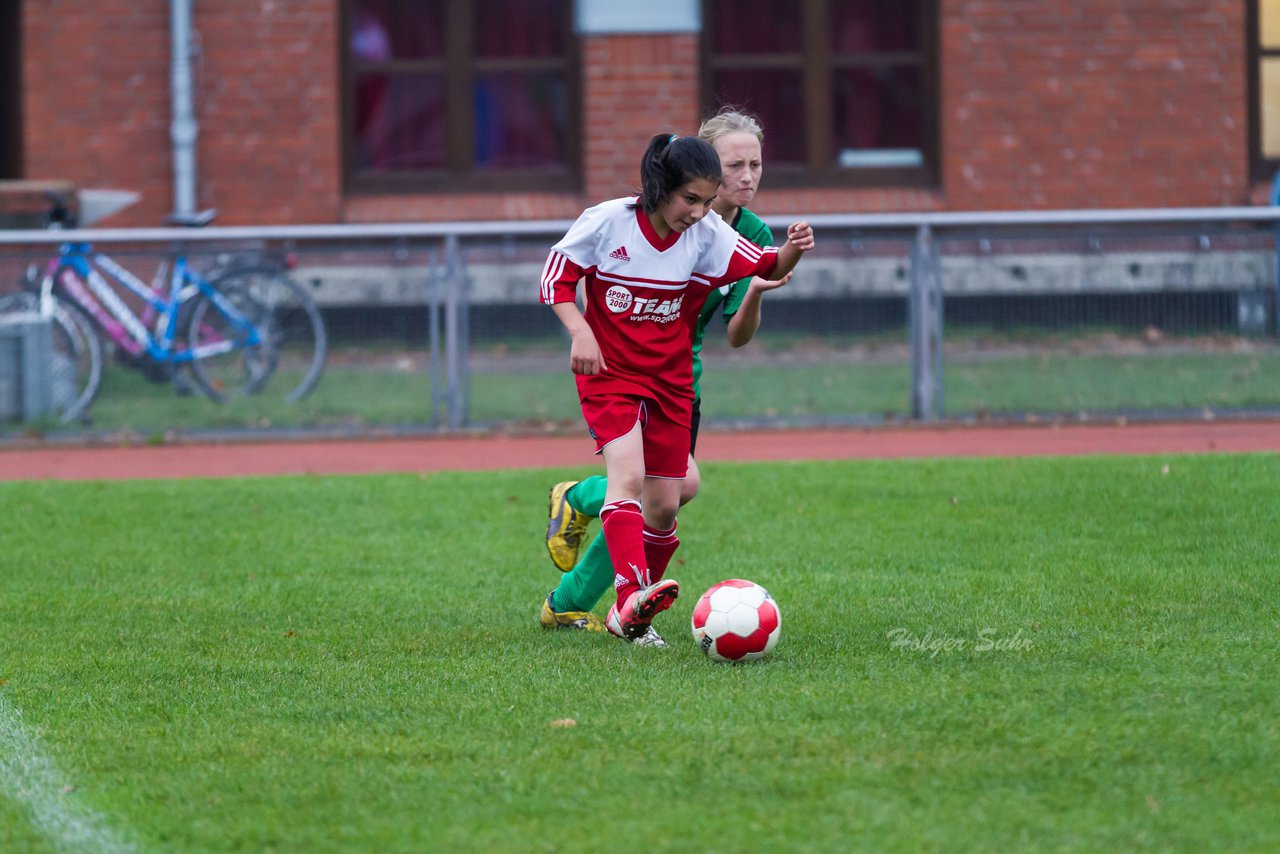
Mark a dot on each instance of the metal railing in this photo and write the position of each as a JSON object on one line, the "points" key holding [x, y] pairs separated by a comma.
{"points": [[449, 295]]}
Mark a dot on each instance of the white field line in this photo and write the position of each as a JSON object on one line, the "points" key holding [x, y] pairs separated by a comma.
{"points": [[29, 777]]}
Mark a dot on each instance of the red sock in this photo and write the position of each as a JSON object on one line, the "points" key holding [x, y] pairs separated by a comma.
{"points": [[623, 527], [659, 546]]}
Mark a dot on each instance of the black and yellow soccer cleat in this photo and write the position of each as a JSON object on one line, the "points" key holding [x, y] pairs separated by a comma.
{"points": [[565, 527]]}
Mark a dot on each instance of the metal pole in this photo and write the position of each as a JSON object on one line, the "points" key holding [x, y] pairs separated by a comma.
{"points": [[464, 335], [926, 328], [920, 390], [435, 281], [453, 332], [937, 314], [1275, 200], [183, 130]]}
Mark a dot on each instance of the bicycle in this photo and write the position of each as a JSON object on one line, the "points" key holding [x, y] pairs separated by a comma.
{"points": [[233, 330]]}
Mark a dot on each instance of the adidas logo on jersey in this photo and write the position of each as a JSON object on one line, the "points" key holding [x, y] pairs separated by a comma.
{"points": [[620, 253]]}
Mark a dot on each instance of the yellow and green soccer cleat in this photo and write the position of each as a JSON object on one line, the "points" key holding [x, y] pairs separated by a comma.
{"points": [[581, 620], [565, 528]]}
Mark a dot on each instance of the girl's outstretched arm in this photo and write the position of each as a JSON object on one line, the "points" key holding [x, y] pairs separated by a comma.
{"points": [[746, 320]]}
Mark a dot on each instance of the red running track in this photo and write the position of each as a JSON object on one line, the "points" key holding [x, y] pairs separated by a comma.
{"points": [[509, 452]]}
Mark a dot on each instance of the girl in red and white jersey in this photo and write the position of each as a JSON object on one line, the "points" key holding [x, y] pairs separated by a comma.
{"points": [[647, 265]]}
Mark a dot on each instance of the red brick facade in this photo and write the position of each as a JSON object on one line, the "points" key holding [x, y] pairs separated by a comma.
{"points": [[97, 110], [1094, 103], [1058, 104], [95, 98]]}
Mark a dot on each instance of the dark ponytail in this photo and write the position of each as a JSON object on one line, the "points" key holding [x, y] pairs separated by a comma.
{"points": [[669, 163]]}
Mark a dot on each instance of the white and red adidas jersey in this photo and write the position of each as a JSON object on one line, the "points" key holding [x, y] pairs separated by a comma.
{"points": [[643, 294]]}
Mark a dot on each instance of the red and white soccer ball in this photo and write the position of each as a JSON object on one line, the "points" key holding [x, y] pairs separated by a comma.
{"points": [[736, 620]]}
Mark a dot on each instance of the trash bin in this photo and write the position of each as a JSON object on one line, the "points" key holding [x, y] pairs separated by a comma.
{"points": [[26, 353]]}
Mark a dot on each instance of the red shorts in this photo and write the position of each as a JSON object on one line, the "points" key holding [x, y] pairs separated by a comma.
{"points": [[666, 443]]}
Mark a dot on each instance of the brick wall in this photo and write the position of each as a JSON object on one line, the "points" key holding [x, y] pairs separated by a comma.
{"points": [[634, 87], [97, 107], [1094, 103], [1061, 103], [96, 102], [269, 110]]}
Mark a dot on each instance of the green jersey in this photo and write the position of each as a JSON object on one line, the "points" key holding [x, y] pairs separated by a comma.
{"points": [[729, 297]]}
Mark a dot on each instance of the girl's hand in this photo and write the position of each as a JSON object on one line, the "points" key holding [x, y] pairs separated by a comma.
{"points": [[758, 284], [800, 235], [584, 354]]}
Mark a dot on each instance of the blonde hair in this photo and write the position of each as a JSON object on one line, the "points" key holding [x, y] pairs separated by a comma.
{"points": [[730, 119]]}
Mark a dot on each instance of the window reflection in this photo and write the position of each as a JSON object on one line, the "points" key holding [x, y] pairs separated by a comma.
{"points": [[519, 120], [877, 109], [774, 96], [539, 29], [382, 30], [757, 26], [449, 108], [400, 122], [842, 86], [869, 26]]}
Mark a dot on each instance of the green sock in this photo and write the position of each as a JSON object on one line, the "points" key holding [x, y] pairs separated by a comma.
{"points": [[587, 496], [581, 587]]}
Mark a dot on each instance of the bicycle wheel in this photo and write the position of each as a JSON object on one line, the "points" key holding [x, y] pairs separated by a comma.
{"points": [[289, 356], [76, 365]]}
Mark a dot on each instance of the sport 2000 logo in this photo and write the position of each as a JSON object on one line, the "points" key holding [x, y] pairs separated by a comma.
{"points": [[618, 299]]}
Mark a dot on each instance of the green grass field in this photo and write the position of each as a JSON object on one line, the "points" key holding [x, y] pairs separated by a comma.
{"points": [[987, 655]]}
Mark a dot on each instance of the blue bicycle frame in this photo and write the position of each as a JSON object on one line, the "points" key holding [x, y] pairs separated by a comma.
{"points": [[89, 289]]}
